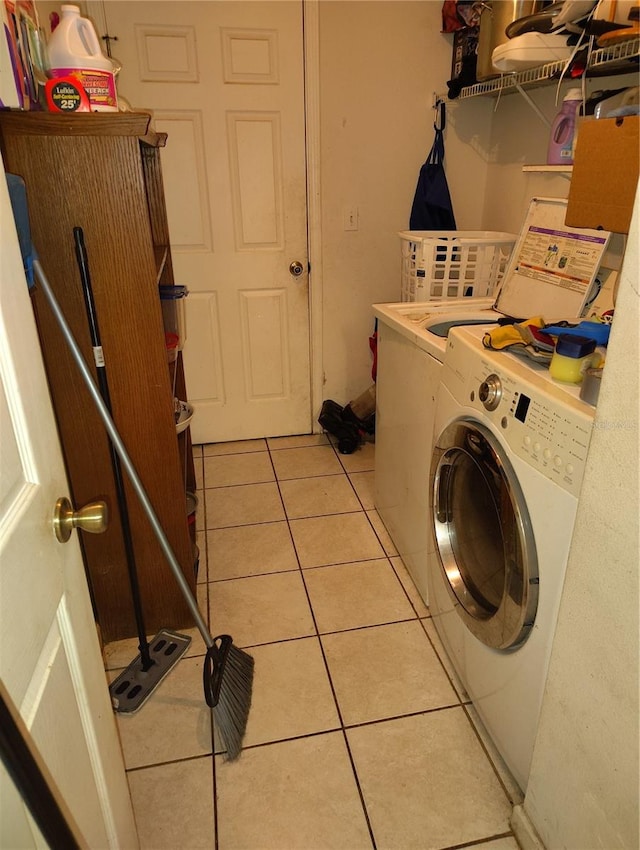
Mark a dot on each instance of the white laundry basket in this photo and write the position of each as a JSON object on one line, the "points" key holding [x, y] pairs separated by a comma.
{"points": [[452, 263]]}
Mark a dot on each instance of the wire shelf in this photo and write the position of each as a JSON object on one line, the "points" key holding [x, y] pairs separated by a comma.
{"points": [[615, 58], [606, 56]]}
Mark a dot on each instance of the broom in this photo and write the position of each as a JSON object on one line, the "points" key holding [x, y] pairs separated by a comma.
{"points": [[227, 671], [130, 690]]}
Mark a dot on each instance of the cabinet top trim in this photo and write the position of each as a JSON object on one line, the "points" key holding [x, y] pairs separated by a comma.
{"points": [[82, 124]]}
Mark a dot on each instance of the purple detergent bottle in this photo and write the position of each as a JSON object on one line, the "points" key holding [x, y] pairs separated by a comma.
{"points": [[560, 150]]}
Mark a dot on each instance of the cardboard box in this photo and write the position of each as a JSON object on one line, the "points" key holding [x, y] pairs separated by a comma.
{"points": [[605, 174]]}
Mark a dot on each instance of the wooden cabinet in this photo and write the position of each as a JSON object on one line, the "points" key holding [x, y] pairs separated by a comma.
{"points": [[101, 172]]}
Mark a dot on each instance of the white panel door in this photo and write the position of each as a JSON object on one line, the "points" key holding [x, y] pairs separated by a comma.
{"points": [[225, 81], [50, 660]]}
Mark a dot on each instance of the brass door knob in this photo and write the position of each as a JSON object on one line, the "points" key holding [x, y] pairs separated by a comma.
{"points": [[92, 517]]}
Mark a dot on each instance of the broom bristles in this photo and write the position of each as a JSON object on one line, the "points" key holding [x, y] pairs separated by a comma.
{"points": [[232, 711]]}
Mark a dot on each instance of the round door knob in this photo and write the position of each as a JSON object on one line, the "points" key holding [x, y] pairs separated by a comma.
{"points": [[92, 517], [296, 268]]}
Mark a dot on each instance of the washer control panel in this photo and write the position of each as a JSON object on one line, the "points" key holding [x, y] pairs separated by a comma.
{"points": [[553, 439], [542, 423]]}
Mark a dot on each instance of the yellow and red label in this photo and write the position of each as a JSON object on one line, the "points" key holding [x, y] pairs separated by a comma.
{"points": [[65, 94], [100, 86]]}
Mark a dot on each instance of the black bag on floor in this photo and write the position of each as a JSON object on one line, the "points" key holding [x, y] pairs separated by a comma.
{"points": [[351, 424], [346, 432]]}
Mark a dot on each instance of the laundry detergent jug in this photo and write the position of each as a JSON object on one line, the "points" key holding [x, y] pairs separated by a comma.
{"points": [[74, 51], [560, 150]]}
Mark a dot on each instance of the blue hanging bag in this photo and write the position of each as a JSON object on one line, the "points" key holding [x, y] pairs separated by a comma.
{"points": [[432, 208]]}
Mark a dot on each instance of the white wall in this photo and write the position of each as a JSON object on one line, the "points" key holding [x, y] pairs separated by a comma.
{"points": [[519, 137], [584, 787], [380, 63]]}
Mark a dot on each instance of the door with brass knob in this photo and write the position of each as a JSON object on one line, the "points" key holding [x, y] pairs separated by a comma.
{"points": [[92, 517], [51, 664]]}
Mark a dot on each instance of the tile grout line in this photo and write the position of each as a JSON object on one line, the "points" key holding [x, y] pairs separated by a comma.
{"points": [[479, 842], [139, 767], [305, 569], [344, 728], [441, 662], [465, 708], [214, 783], [328, 673]]}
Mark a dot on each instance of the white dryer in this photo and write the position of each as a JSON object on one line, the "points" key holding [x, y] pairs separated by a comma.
{"points": [[409, 366], [510, 446]]}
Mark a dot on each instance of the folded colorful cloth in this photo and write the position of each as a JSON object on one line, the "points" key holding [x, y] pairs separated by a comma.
{"points": [[505, 336], [526, 339], [540, 340], [531, 353]]}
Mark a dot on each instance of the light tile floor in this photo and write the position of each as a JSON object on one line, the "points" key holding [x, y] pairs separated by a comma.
{"points": [[359, 734]]}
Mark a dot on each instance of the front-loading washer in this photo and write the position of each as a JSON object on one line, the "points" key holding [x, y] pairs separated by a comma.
{"points": [[510, 448], [552, 272]]}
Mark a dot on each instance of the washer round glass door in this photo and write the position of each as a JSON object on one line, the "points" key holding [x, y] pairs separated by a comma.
{"points": [[483, 535]]}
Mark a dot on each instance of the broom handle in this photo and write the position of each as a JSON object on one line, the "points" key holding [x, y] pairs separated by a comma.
{"points": [[123, 455], [103, 384]]}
